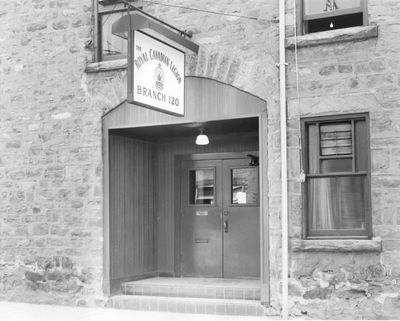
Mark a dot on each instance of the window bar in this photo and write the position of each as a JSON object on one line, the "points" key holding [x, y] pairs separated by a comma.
{"points": [[338, 156], [337, 174]]}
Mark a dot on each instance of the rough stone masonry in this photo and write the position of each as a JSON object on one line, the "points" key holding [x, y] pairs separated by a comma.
{"points": [[349, 280], [50, 146], [50, 156]]}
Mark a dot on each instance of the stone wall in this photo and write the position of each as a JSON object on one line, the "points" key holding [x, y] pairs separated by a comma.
{"points": [[50, 146], [339, 78], [50, 156], [238, 51]]}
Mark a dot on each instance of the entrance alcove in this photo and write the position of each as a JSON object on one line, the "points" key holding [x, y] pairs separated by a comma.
{"points": [[145, 153]]}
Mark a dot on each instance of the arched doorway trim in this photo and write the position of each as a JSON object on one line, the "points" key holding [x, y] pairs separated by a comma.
{"points": [[205, 100]]}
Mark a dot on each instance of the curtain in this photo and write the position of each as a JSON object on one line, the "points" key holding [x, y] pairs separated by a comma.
{"points": [[336, 203], [322, 204]]}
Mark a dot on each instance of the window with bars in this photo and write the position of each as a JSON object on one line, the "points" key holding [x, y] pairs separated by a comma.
{"points": [[111, 47], [323, 15], [336, 194]]}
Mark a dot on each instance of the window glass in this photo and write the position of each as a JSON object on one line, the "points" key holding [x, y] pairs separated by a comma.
{"points": [[244, 185], [336, 165], [322, 6], [336, 139], [361, 141], [111, 46], [336, 203], [313, 148], [201, 186], [324, 15]]}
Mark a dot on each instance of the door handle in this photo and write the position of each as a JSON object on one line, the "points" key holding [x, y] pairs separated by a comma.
{"points": [[226, 226]]}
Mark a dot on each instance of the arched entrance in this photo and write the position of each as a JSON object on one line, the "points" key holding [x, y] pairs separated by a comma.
{"points": [[150, 156]]}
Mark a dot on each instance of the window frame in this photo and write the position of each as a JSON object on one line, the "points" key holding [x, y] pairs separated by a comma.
{"points": [[302, 25], [102, 10], [336, 234]]}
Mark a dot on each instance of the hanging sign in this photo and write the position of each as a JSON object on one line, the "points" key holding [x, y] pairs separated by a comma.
{"points": [[157, 75]]}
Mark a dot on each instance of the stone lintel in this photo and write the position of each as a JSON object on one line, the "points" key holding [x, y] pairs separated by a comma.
{"points": [[106, 65], [333, 36], [374, 245]]}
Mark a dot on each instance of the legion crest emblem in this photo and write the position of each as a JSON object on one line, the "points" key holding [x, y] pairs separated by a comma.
{"points": [[159, 77]]}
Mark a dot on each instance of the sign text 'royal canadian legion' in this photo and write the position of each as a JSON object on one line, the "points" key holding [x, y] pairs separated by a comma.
{"points": [[158, 75]]}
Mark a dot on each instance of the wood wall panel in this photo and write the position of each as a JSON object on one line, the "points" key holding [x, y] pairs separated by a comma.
{"points": [[164, 178], [132, 246]]}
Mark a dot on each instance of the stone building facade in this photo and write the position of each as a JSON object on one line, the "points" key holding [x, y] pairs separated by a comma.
{"points": [[54, 95], [348, 278]]}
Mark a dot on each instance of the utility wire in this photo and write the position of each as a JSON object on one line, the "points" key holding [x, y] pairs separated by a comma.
{"points": [[108, 16], [302, 177], [201, 10]]}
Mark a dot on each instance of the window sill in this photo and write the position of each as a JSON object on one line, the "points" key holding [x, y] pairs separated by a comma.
{"points": [[333, 36], [321, 245], [108, 65]]}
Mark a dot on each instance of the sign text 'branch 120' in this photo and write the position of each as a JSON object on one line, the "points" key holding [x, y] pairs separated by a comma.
{"points": [[154, 94]]}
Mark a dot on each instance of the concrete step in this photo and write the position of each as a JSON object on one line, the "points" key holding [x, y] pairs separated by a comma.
{"points": [[188, 305], [195, 288]]}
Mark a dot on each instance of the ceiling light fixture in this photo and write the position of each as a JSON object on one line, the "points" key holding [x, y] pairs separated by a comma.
{"points": [[202, 138]]}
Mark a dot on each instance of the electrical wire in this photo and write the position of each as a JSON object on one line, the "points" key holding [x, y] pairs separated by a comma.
{"points": [[295, 51], [109, 15], [297, 84], [201, 10]]}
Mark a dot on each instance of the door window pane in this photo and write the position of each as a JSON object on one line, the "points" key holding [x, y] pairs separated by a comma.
{"points": [[201, 186], [336, 203], [244, 185]]}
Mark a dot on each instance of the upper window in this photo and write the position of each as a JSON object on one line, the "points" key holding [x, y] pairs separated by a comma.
{"points": [[323, 15], [109, 46], [337, 187]]}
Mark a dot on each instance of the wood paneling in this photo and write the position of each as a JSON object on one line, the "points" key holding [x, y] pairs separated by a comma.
{"points": [[205, 100], [132, 248]]}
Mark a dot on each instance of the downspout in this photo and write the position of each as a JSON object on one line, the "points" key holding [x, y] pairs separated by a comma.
{"points": [[284, 183]]}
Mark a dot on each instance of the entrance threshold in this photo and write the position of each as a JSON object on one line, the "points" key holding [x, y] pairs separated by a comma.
{"points": [[213, 288], [192, 295]]}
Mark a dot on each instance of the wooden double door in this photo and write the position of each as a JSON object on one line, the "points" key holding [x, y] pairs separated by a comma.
{"points": [[220, 230]]}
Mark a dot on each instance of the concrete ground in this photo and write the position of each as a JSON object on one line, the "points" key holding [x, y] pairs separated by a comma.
{"points": [[25, 311]]}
